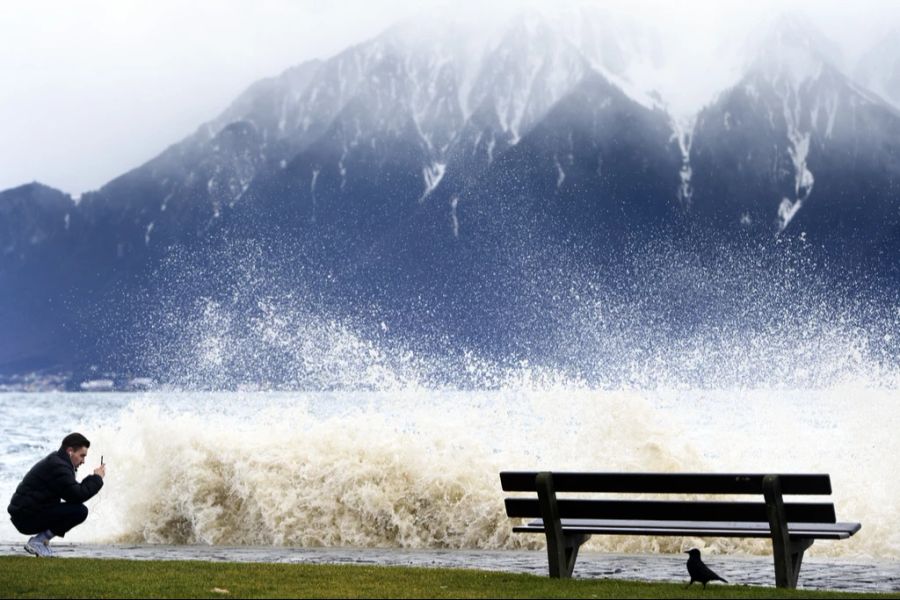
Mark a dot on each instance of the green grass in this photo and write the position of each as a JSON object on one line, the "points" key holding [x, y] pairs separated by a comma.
{"points": [[27, 577]]}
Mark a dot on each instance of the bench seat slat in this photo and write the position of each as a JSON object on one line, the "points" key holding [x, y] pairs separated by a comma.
{"points": [[667, 483], [666, 510], [694, 528]]}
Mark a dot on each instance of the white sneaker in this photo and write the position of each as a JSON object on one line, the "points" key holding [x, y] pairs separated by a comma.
{"points": [[38, 547]]}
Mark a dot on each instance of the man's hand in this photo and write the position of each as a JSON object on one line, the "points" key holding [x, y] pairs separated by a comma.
{"points": [[101, 471]]}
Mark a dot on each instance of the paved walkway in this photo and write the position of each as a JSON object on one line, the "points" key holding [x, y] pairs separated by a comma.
{"points": [[832, 574]]}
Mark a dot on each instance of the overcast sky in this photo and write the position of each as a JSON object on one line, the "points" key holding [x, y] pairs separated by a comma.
{"points": [[91, 89]]}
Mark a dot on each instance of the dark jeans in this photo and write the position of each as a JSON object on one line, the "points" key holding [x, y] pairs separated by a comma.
{"points": [[59, 519]]}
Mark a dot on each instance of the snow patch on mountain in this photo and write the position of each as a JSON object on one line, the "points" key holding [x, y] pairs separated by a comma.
{"points": [[312, 190], [792, 60], [454, 219], [786, 211], [803, 178], [683, 133], [560, 174], [432, 174], [825, 109], [342, 169]]}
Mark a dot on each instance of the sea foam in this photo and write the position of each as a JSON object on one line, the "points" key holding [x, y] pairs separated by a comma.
{"points": [[419, 468]]}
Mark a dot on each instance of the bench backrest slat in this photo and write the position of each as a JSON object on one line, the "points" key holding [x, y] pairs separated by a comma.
{"points": [[529, 508], [666, 483]]}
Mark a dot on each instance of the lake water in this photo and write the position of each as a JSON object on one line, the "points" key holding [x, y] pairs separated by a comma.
{"points": [[417, 468]]}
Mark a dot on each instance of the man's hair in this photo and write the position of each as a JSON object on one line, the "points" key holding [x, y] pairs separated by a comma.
{"points": [[75, 440]]}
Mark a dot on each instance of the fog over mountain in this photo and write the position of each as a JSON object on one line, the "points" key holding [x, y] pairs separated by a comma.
{"points": [[145, 74], [879, 69], [460, 191]]}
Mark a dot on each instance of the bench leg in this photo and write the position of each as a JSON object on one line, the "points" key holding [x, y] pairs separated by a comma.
{"points": [[562, 552], [573, 544], [788, 560], [787, 551], [562, 548], [798, 547]]}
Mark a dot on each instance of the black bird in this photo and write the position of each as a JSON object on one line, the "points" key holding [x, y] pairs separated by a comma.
{"points": [[699, 571]]}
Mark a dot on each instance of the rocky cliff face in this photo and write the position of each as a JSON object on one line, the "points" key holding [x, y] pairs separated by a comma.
{"points": [[797, 149]]}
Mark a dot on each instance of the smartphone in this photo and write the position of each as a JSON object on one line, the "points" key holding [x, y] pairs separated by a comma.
{"points": [[101, 460]]}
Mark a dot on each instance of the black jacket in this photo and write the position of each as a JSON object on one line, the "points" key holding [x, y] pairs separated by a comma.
{"points": [[52, 479]]}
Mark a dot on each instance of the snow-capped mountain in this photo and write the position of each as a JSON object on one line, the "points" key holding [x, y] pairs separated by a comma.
{"points": [[797, 148], [454, 99], [431, 171]]}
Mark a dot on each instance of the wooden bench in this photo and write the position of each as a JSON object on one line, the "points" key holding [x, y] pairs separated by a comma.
{"points": [[569, 522]]}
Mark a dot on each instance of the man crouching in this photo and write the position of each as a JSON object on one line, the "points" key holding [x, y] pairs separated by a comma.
{"points": [[37, 506]]}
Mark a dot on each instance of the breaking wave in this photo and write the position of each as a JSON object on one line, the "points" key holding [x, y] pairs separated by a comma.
{"points": [[418, 468]]}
